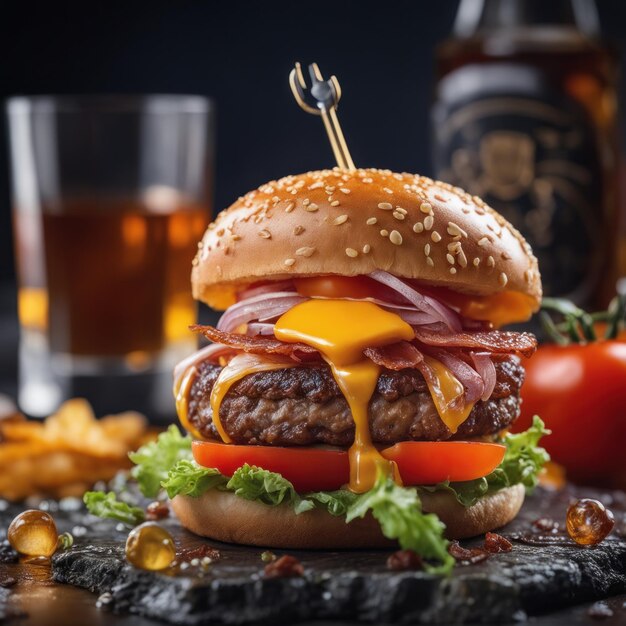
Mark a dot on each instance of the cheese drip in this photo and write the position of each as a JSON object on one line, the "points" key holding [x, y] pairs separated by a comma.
{"points": [[448, 395], [182, 389], [341, 330], [240, 366]]}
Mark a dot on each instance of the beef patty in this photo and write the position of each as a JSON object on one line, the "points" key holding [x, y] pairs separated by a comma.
{"points": [[304, 406]]}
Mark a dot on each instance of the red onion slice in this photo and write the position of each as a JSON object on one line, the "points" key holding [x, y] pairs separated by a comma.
{"points": [[425, 304], [210, 352], [263, 307], [280, 285], [487, 371], [256, 328]]}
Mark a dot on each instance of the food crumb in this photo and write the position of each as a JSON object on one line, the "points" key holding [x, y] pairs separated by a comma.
{"points": [[268, 556], [546, 525], [285, 567], [467, 556], [405, 560], [157, 510], [495, 543], [7, 581]]}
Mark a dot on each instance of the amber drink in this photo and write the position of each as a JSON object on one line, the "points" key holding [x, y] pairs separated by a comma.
{"points": [[104, 246]]}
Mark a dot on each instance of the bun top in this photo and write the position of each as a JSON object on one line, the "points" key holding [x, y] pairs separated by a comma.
{"points": [[356, 222]]}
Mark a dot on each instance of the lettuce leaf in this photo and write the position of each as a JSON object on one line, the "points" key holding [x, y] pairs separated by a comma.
{"points": [[107, 505], [154, 460], [399, 512], [522, 463], [190, 479]]}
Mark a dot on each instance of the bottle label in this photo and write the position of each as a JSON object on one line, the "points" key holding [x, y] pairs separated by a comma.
{"points": [[502, 132]]}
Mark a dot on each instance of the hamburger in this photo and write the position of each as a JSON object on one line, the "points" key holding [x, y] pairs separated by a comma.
{"points": [[358, 373]]}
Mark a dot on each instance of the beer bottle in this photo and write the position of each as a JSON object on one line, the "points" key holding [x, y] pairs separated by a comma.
{"points": [[525, 117]]}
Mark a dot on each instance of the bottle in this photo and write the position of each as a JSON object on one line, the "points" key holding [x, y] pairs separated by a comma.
{"points": [[525, 117]]}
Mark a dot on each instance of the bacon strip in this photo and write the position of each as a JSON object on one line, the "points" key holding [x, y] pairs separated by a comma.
{"points": [[397, 356], [496, 341], [259, 344]]}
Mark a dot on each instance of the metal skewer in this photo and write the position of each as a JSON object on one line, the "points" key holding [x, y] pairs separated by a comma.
{"points": [[327, 94]]}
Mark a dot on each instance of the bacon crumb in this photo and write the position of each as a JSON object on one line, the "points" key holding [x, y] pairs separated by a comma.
{"points": [[405, 560], [285, 567], [495, 543]]}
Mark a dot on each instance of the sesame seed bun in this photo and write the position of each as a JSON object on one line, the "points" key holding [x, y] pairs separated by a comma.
{"points": [[351, 223], [223, 516]]}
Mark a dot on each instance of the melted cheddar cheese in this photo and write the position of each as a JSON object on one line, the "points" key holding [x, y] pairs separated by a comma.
{"points": [[341, 330]]}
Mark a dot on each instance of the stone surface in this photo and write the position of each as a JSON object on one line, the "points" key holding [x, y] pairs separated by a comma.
{"points": [[349, 586]]}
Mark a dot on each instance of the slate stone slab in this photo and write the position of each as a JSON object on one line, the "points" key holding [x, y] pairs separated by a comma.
{"points": [[350, 585]]}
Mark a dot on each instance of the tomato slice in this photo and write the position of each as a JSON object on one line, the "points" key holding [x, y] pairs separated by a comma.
{"points": [[308, 469], [319, 469], [431, 462], [357, 287]]}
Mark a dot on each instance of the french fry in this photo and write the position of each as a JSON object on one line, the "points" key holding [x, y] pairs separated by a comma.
{"points": [[68, 452]]}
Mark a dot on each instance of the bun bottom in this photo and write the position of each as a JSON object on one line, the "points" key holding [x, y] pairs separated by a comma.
{"points": [[222, 516]]}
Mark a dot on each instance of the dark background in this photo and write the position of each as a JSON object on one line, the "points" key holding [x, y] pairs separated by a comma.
{"points": [[240, 53]]}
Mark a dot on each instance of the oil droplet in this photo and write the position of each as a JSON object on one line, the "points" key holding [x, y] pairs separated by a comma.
{"points": [[589, 522], [150, 547], [33, 533]]}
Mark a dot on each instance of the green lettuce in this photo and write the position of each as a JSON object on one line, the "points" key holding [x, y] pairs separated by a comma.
{"points": [[107, 505], [154, 460], [522, 463], [168, 463]]}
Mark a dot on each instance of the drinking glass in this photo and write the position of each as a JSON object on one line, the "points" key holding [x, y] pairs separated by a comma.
{"points": [[110, 197]]}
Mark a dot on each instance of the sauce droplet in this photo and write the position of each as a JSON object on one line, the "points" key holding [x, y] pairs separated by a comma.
{"points": [[589, 522], [33, 533], [150, 547]]}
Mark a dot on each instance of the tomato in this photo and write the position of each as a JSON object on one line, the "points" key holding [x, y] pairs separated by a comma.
{"points": [[431, 462], [579, 392], [356, 287], [319, 469]]}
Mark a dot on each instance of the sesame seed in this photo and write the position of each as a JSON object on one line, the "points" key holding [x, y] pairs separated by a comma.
{"points": [[418, 227], [351, 252], [426, 207], [366, 248], [490, 261], [476, 261], [395, 237], [305, 251], [455, 230], [483, 242], [344, 190], [450, 258], [290, 207], [289, 262], [265, 234], [462, 259], [340, 219], [428, 222], [316, 185], [368, 180], [453, 270], [503, 279], [454, 247], [371, 221], [334, 203], [427, 249], [401, 210], [430, 261], [506, 256], [293, 192], [436, 237], [528, 274], [329, 190], [385, 206], [384, 232], [399, 216], [306, 202], [440, 197], [387, 190], [298, 230], [275, 199], [311, 208]]}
